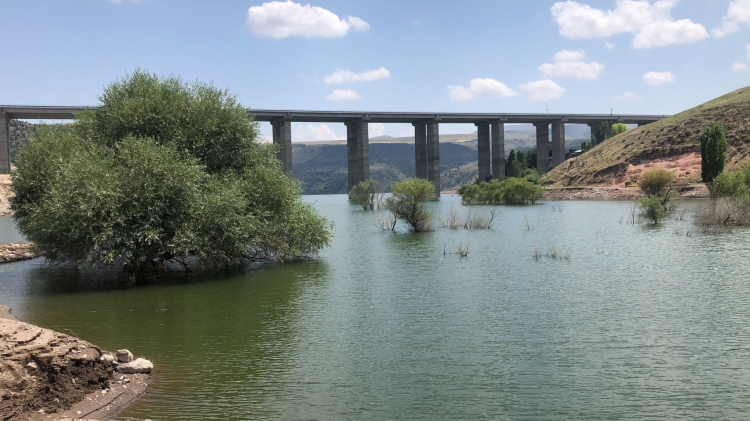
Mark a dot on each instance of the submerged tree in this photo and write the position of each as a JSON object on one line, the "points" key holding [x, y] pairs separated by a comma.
{"points": [[363, 193], [408, 203], [161, 173], [656, 184]]}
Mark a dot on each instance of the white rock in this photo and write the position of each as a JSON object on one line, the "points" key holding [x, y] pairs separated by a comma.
{"points": [[124, 356], [135, 367], [107, 358]]}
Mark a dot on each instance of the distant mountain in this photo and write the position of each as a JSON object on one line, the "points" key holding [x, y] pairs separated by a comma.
{"points": [[384, 136], [322, 169]]}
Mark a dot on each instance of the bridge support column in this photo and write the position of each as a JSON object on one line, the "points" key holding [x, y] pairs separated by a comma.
{"points": [[420, 149], [282, 136], [433, 154], [4, 144], [542, 146], [498, 149], [558, 143], [357, 151], [483, 148], [594, 127]]}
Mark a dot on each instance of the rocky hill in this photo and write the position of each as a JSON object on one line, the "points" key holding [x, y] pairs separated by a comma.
{"points": [[672, 142]]}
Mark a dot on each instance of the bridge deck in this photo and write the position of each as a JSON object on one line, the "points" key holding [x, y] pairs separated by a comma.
{"points": [[67, 112]]}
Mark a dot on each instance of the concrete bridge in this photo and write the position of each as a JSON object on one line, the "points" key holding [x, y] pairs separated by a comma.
{"points": [[490, 134]]}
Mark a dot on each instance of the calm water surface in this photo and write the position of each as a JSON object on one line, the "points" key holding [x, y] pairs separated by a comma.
{"points": [[642, 322]]}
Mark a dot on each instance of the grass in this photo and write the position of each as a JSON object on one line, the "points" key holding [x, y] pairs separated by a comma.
{"points": [[673, 135]]}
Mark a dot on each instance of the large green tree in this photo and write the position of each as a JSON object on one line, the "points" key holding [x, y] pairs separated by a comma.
{"points": [[163, 174], [713, 152]]}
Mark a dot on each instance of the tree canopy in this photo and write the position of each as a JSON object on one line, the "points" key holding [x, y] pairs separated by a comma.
{"points": [[161, 173], [713, 152]]}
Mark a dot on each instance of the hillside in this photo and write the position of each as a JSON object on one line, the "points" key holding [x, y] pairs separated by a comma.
{"points": [[672, 142]]}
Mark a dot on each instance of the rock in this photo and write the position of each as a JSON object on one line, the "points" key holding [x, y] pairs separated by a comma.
{"points": [[139, 366], [107, 358], [124, 356]]}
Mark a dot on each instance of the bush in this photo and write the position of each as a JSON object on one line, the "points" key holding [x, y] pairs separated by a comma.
{"points": [[408, 203], [164, 172], [363, 193], [511, 191], [733, 184], [655, 181]]}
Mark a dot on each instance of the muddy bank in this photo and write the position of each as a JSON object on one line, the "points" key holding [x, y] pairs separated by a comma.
{"points": [[14, 252], [688, 191], [50, 375]]}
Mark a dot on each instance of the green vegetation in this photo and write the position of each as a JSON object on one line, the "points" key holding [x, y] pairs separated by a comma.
{"points": [[618, 128], [364, 194], [656, 184], [603, 132], [713, 153], [732, 205], [674, 135], [407, 203], [163, 173], [511, 191]]}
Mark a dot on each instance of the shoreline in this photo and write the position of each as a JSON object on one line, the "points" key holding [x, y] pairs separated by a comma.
{"points": [[48, 375]]}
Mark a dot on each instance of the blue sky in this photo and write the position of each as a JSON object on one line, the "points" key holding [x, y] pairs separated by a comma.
{"points": [[587, 56]]}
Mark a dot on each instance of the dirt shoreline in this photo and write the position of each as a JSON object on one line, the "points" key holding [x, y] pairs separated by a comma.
{"points": [[47, 375], [685, 191]]}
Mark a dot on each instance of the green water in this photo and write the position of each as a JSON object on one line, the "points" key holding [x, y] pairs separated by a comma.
{"points": [[642, 322]]}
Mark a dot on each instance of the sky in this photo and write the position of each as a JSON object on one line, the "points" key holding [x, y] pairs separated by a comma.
{"points": [[587, 56]]}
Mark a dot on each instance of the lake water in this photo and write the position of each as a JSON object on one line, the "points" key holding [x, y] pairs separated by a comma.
{"points": [[641, 322]]}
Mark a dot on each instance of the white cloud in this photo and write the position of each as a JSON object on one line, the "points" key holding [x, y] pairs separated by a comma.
{"points": [[738, 13], [375, 129], [737, 66], [346, 76], [652, 23], [542, 90], [342, 94], [626, 96], [658, 78], [281, 19], [480, 87], [313, 132], [662, 33], [609, 45], [570, 64]]}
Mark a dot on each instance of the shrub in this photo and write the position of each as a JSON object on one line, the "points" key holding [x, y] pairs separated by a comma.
{"points": [[363, 193], [511, 191], [408, 203], [654, 181], [164, 172]]}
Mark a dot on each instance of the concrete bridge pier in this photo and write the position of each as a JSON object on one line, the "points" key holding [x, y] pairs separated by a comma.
{"points": [[357, 151], [542, 146], [282, 136], [483, 151], [420, 149], [594, 127], [558, 143], [4, 143], [498, 149], [433, 154]]}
